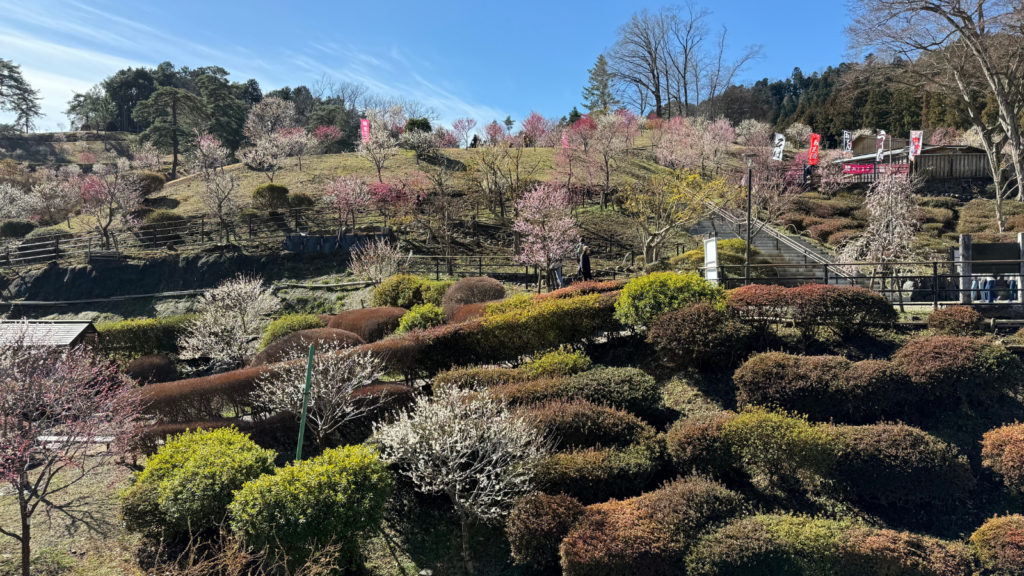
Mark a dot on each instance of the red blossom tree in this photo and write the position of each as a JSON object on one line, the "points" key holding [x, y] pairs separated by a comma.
{"points": [[534, 128], [350, 195], [64, 415], [495, 132], [112, 193], [462, 128], [390, 198]]}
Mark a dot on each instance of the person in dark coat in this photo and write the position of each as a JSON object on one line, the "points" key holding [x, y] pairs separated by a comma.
{"points": [[585, 264]]}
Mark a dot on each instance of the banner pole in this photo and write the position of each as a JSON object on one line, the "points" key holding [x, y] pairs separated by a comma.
{"points": [[305, 403]]}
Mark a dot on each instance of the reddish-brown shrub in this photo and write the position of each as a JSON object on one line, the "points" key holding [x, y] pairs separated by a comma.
{"points": [[952, 370], [538, 524], [699, 336], [471, 291], [843, 310], [999, 545], [296, 343], [370, 324], [956, 321], [1002, 451], [202, 398], [794, 219], [153, 368], [401, 355], [798, 383], [584, 288], [695, 445], [896, 464], [758, 305], [873, 390], [467, 378], [574, 424], [647, 535], [840, 238], [823, 231], [468, 312], [872, 551]]}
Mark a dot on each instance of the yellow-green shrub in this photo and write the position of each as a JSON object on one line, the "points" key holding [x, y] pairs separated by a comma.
{"points": [[407, 290], [421, 317], [645, 298], [128, 339], [287, 324], [562, 362]]}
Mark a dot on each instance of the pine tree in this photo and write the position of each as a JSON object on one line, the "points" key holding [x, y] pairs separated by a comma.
{"points": [[598, 92], [170, 109], [574, 116], [17, 95]]}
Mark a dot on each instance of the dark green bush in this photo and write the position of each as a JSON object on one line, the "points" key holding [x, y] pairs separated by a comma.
{"points": [[598, 474], [287, 324], [870, 391], [154, 368], [956, 321], [999, 545], [468, 378], [538, 524], [300, 200], [16, 228], [629, 389], [129, 339], [645, 298], [648, 535], [150, 182], [699, 336], [190, 481], [162, 217], [335, 499], [895, 464], [575, 424], [799, 383], [952, 370], [695, 445], [270, 197]]}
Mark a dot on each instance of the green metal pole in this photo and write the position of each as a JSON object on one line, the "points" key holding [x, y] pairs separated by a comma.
{"points": [[305, 402]]}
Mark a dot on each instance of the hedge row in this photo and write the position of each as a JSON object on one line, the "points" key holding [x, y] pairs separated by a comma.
{"points": [[296, 344], [370, 324], [287, 324], [936, 373], [407, 290], [578, 424], [783, 545], [129, 339], [629, 389]]}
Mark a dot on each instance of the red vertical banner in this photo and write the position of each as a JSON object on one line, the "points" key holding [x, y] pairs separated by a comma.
{"points": [[364, 129], [812, 155], [916, 137]]}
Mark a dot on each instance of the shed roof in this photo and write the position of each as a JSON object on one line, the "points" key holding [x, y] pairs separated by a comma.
{"points": [[926, 149], [45, 332]]}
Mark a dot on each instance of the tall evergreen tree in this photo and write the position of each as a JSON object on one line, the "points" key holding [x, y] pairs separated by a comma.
{"points": [[574, 116], [598, 92], [126, 89], [171, 110], [225, 112], [16, 95]]}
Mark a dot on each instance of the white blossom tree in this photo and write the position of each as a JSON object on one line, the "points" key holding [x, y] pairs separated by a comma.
{"points": [[336, 376], [266, 154], [376, 260], [15, 203], [112, 194], [468, 446], [218, 195], [382, 145], [799, 135], [267, 117], [229, 322], [57, 192]]}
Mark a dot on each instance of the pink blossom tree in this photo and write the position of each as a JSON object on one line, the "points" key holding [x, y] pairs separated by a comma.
{"points": [[946, 137], [86, 158], [534, 128], [112, 193], [326, 136], [298, 143], [444, 138], [610, 144], [495, 132], [389, 198], [350, 195], [462, 128], [547, 227], [58, 408]]}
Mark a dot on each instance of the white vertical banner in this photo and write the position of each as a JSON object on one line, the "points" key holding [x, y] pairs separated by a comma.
{"points": [[779, 146], [916, 138], [847, 141], [880, 146], [711, 260]]}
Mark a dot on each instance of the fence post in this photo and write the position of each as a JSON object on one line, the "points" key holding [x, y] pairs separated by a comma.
{"points": [[965, 272], [826, 274], [202, 230], [480, 266], [437, 269], [935, 285]]}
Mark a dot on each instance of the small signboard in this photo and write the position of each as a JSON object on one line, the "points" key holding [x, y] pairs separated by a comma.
{"points": [[711, 260], [996, 252]]}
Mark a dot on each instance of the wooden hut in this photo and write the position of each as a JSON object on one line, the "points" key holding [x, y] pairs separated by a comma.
{"points": [[59, 333]]}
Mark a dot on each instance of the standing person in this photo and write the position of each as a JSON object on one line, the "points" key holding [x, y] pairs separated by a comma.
{"points": [[585, 264], [558, 275]]}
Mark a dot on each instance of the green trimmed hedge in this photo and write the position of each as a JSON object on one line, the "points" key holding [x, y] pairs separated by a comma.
{"points": [[421, 317], [598, 474], [16, 228], [270, 197], [645, 298], [287, 324], [128, 339], [407, 290]]}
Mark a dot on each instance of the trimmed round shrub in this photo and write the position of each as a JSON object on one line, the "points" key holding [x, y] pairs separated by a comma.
{"points": [[16, 228], [629, 389], [870, 391], [401, 290], [895, 464], [575, 424], [779, 451], [189, 483], [129, 339], [999, 545], [956, 321], [471, 291], [468, 312], [370, 324], [49, 233], [538, 524], [951, 370], [421, 317], [648, 535], [152, 368], [695, 444], [150, 182], [757, 304], [296, 345], [598, 474], [337, 498], [562, 362], [162, 217], [300, 200], [745, 547], [699, 336], [799, 383], [1002, 451], [470, 378], [289, 323], [844, 311], [645, 298], [270, 196]]}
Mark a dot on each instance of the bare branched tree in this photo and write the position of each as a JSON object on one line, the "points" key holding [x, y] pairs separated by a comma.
{"points": [[377, 260], [468, 446]]}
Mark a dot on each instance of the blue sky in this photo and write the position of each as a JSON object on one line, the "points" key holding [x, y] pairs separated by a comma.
{"points": [[482, 59]]}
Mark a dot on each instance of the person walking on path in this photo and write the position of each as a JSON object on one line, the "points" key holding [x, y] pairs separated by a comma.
{"points": [[585, 264]]}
